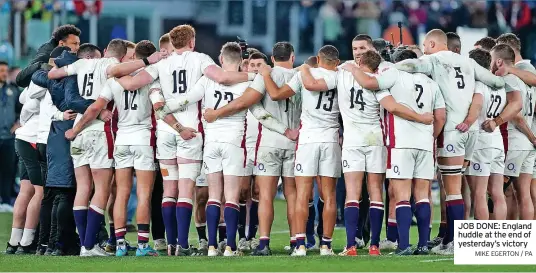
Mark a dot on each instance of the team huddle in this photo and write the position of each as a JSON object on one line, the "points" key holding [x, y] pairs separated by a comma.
{"points": [[222, 135]]}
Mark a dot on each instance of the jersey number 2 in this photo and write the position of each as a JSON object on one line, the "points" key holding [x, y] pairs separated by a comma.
{"points": [[87, 89], [179, 81], [129, 103], [419, 89], [228, 96]]}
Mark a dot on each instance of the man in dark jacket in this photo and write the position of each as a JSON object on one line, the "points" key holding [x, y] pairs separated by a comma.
{"points": [[57, 229], [9, 112], [66, 35]]}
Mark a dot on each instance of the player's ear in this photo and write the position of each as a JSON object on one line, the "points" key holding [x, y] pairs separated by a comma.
{"points": [[292, 58], [499, 62], [273, 59], [220, 58], [432, 44]]}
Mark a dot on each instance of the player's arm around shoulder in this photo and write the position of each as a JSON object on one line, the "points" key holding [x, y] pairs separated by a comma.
{"points": [[126, 68], [365, 80], [397, 109], [219, 75], [311, 83], [68, 70], [138, 81], [249, 98], [286, 91]]}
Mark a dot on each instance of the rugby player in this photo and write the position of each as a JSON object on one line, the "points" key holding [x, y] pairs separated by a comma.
{"points": [[92, 151], [455, 75], [407, 161], [180, 159]]}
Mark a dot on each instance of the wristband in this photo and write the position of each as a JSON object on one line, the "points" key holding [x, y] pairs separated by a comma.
{"points": [[498, 120], [251, 76], [145, 61]]}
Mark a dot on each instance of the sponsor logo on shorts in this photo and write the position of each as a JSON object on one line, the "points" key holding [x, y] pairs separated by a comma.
{"points": [[396, 169], [345, 164], [260, 167], [450, 148], [477, 167], [299, 168], [511, 167]]}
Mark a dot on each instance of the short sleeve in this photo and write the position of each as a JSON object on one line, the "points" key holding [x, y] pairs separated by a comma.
{"points": [[331, 80], [155, 85], [74, 68], [439, 101], [111, 87], [511, 83], [107, 62], [381, 94], [153, 70], [258, 84], [295, 83], [388, 78], [205, 61], [479, 87]]}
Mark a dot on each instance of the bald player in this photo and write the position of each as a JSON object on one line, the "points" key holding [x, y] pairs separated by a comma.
{"points": [[455, 74]]}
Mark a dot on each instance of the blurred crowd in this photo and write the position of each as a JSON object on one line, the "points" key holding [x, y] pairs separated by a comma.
{"points": [[342, 19]]}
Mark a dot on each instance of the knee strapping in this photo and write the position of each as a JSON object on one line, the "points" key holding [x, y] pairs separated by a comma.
{"points": [[189, 171], [450, 170], [169, 172]]}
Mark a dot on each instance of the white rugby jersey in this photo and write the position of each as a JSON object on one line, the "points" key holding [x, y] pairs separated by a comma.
{"points": [[29, 117], [360, 110], [320, 110], [91, 75], [455, 75], [384, 65], [419, 93], [516, 139], [230, 129], [494, 103], [285, 111], [252, 130], [178, 73], [136, 121], [526, 65], [46, 112]]}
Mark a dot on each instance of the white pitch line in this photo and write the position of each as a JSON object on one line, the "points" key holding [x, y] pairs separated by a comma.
{"points": [[437, 260]]}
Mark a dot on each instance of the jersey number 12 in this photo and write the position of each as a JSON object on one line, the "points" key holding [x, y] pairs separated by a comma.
{"points": [[130, 96]]}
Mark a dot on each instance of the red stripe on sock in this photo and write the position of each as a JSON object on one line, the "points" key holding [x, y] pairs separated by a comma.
{"points": [[351, 204], [184, 205], [455, 202], [376, 205], [401, 203], [213, 203], [233, 206], [391, 224], [168, 204]]}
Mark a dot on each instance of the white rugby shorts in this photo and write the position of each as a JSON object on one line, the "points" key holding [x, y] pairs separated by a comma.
{"points": [[201, 180], [370, 159], [485, 162], [455, 143], [93, 148], [226, 157], [519, 162], [410, 163], [275, 162], [171, 146], [250, 161], [137, 156], [323, 159]]}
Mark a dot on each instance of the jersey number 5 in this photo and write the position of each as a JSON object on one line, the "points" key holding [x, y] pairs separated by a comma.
{"points": [[179, 81], [228, 96], [459, 75], [87, 89], [330, 95], [129, 103]]}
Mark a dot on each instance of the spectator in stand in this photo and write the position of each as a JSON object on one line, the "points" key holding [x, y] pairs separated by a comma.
{"points": [[12, 74], [417, 16], [368, 13], [332, 23], [518, 15]]}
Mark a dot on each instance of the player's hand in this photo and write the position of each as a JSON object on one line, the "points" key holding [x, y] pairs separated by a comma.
{"points": [[304, 67], [69, 115], [105, 115], [15, 127], [158, 105], [348, 66], [70, 135], [265, 70], [157, 56], [292, 134], [501, 70], [489, 126], [210, 115], [187, 133], [462, 127], [427, 118]]}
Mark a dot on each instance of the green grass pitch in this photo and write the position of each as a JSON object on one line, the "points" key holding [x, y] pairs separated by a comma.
{"points": [[279, 262]]}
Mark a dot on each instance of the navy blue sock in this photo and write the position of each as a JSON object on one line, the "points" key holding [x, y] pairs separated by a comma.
{"points": [[80, 219], [213, 220], [184, 216], [392, 230], [320, 227], [170, 220], [95, 216], [423, 212], [242, 221], [351, 220], [376, 221], [230, 215], [310, 227], [403, 220], [253, 219], [263, 242]]}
